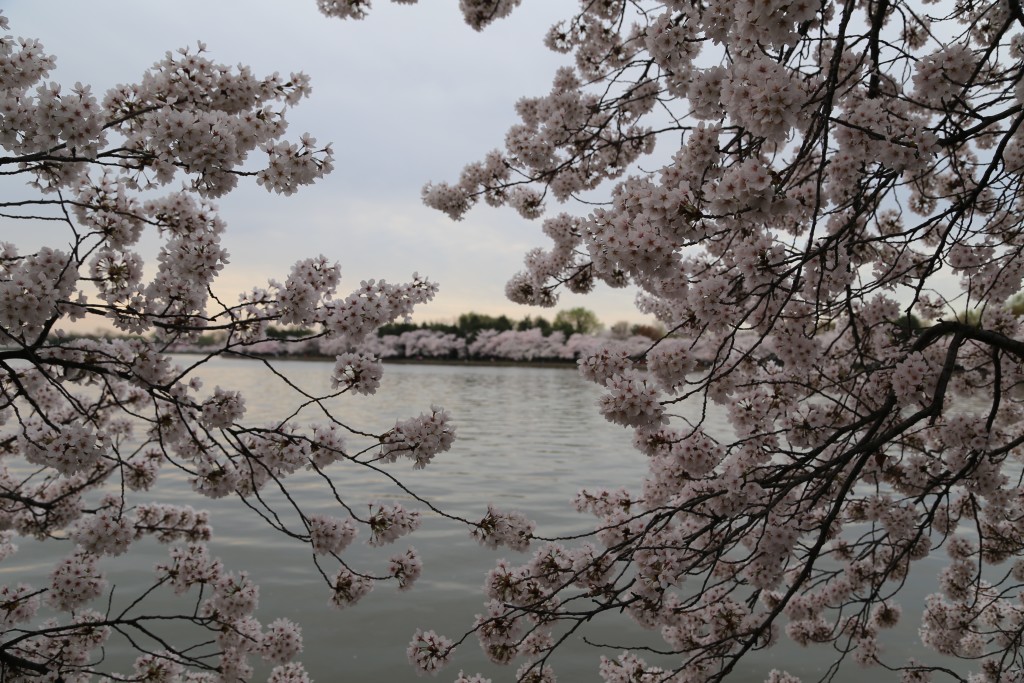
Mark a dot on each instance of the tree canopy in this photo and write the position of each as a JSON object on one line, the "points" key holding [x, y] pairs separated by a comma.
{"points": [[577, 320], [825, 174]]}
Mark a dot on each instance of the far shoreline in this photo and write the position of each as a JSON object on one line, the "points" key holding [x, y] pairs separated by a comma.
{"points": [[310, 357]]}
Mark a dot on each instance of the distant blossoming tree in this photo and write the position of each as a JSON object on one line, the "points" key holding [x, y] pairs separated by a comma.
{"points": [[836, 169]]}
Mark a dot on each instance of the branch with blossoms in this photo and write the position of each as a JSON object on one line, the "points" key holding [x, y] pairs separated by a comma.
{"points": [[828, 172], [94, 428]]}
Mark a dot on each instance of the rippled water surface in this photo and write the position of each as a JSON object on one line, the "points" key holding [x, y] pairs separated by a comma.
{"points": [[527, 438]]}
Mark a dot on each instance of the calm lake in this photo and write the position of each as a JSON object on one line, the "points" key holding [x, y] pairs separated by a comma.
{"points": [[527, 439]]}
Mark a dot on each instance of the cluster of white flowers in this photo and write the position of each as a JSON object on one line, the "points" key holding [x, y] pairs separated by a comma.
{"points": [[605, 364], [350, 9], [70, 644], [673, 46], [49, 119], [22, 63], [360, 372], [454, 201], [533, 672], [511, 529], [429, 652], [388, 523], [32, 288], [75, 581], [475, 678], [105, 205], [19, 604], [480, 13], [632, 401], [293, 672], [223, 409], [192, 113], [764, 97], [941, 76], [348, 588], [190, 565], [117, 274], [330, 534], [912, 378], [303, 293], [269, 455], [108, 532], [744, 187], [499, 633], [328, 445], [292, 166], [405, 568], [281, 642], [75, 448], [642, 233], [344, 9], [157, 668], [375, 303], [172, 522], [419, 438], [670, 362], [234, 597], [628, 668]]}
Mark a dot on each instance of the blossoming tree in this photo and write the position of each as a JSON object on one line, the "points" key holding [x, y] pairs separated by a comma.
{"points": [[90, 427], [836, 168], [829, 169]]}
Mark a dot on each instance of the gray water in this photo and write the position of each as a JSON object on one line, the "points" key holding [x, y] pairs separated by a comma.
{"points": [[527, 439]]}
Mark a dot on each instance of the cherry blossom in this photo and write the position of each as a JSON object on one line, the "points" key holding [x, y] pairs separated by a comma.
{"points": [[512, 529], [348, 588], [405, 568], [330, 534], [388, 523], [75, 581], [281, 642], [428, 651], [420, 439]]}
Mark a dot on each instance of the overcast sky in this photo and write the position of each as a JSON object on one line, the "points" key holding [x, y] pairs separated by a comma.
{"points": [[408, 95]]}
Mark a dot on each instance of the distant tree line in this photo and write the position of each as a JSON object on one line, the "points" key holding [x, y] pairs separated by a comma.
{"points": [[470, 325]]}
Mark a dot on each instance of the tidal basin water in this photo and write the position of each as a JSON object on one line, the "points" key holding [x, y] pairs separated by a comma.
{"points": [[527, 439]]}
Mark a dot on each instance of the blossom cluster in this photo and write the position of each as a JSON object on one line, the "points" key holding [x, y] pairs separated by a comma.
{"points": [[419, 438], [32, 288], [511, 529], [359, 372], [565, 137], [428, 651], [329, 534]]}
